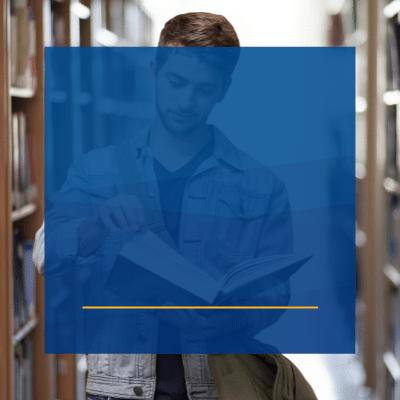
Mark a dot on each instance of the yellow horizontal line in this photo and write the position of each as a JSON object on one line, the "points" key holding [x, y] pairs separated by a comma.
{"points": [[198, 307]]}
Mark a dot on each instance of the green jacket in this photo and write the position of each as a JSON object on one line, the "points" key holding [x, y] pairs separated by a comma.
{"points": [[258, 377]]}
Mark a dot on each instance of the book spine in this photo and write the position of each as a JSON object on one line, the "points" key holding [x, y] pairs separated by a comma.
{"points": [[23, 45], [33, 188], [21, 285], [32, 70], [11, 164], [15, 195], [29, 278], [28, 368], [22, 14], [16, 301], [23, 362], [23, 183], [14, 48]]}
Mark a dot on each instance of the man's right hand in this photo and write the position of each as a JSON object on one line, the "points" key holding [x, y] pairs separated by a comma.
{"points": [[119, 212], [122, 212]]}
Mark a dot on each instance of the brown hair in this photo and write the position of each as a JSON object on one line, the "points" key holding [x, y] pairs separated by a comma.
{"points": [[201, 29], [198, 29]]}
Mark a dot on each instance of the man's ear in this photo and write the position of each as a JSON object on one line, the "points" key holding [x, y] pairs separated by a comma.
{"points": [[153, 71], [225, 86]]}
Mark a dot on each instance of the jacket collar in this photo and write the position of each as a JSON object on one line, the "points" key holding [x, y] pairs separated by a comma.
{"points": [[224, 149]]}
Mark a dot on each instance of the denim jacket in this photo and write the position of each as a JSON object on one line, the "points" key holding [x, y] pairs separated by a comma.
{"points": [[229, 183]]}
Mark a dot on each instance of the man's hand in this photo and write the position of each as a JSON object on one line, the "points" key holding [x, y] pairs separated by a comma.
{"points": [[122, 212], [205, 323], [119, 212]]}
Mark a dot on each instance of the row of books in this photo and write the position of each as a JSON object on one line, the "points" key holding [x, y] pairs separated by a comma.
{"points": [[23, 365], [23, 45], [22, 160], [23, 281], [392, 171]]}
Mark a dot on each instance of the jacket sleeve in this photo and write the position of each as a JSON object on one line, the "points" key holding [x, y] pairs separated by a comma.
{"points": [[38, 250], [69, 209], [276, 237]]}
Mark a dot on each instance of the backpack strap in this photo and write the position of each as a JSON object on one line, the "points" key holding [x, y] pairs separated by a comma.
{"points": [[135, 185]]}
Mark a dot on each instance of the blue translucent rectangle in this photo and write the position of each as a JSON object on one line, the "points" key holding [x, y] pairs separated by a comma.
{"points": [[166, 169]]}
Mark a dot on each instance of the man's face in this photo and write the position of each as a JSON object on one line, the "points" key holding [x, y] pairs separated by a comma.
{"points": [[186, 92]]}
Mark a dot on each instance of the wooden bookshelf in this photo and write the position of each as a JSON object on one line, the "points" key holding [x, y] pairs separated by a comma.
{"points": [[6, 350], [27, 218], [53, 376], [378, 193], [388, 99]]}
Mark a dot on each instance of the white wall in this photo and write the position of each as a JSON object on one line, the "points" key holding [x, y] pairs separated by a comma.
{"points": [[257, 22]]}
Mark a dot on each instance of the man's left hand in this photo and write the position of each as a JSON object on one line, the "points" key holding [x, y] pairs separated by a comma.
{"points": [[205, 323]]}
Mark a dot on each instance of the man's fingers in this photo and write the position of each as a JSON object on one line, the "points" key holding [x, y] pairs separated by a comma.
{"points": [[142, 220], [139, 212], [119, 216], [130, 214], [105, 218], [125, 212]]}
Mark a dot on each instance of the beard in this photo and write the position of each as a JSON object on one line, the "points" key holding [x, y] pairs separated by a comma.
{"points": [[180, 127]]}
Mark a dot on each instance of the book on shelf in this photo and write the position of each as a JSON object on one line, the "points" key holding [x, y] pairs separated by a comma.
{"points": [[58, 30], [15, 194], [23, 45], [29, 278], [16, 289], [23, 170], [23, 363], [394, 56], [149, 271], [31, 168], [395, 323], [24, 281]]}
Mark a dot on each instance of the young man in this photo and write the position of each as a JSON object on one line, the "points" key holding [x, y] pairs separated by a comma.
{"points": [[196, 168]]}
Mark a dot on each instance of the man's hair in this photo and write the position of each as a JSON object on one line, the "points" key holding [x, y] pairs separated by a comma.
{"points": [[198, 30], [201, 29]]}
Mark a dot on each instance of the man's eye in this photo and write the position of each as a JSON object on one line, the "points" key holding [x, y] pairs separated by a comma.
{"points": [[175, 84], [207, 91]]}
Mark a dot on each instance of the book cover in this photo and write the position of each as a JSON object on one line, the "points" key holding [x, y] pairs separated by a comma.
{"points": [[149, 272]]}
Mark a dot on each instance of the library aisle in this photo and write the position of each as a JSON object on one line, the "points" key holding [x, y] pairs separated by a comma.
{"points": [[334, 376], [28, 26]]}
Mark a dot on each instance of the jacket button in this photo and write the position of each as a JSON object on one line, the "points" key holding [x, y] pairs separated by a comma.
{"points": [[142, 338], [138, 390]]}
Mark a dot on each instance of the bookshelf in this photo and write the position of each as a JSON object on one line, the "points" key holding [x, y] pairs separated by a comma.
{"points": [[389, 99], [58, 23], [377, 40], [24, 345], [349, 28]]}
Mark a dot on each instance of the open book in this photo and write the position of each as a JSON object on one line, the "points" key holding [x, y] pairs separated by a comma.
{"points": [[149, 272]]}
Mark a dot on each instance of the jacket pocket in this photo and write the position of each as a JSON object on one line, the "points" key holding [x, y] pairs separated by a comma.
{"points": [[238, 218]]}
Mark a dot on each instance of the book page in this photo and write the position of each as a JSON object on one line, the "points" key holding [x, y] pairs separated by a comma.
{"points": [[259, 268], [152, 253]]}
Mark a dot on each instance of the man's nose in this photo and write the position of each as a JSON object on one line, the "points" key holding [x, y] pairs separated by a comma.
{"points": [[187, 101]]}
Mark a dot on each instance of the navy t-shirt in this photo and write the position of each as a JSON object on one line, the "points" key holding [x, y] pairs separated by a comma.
{"points": [[170, 381]]}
